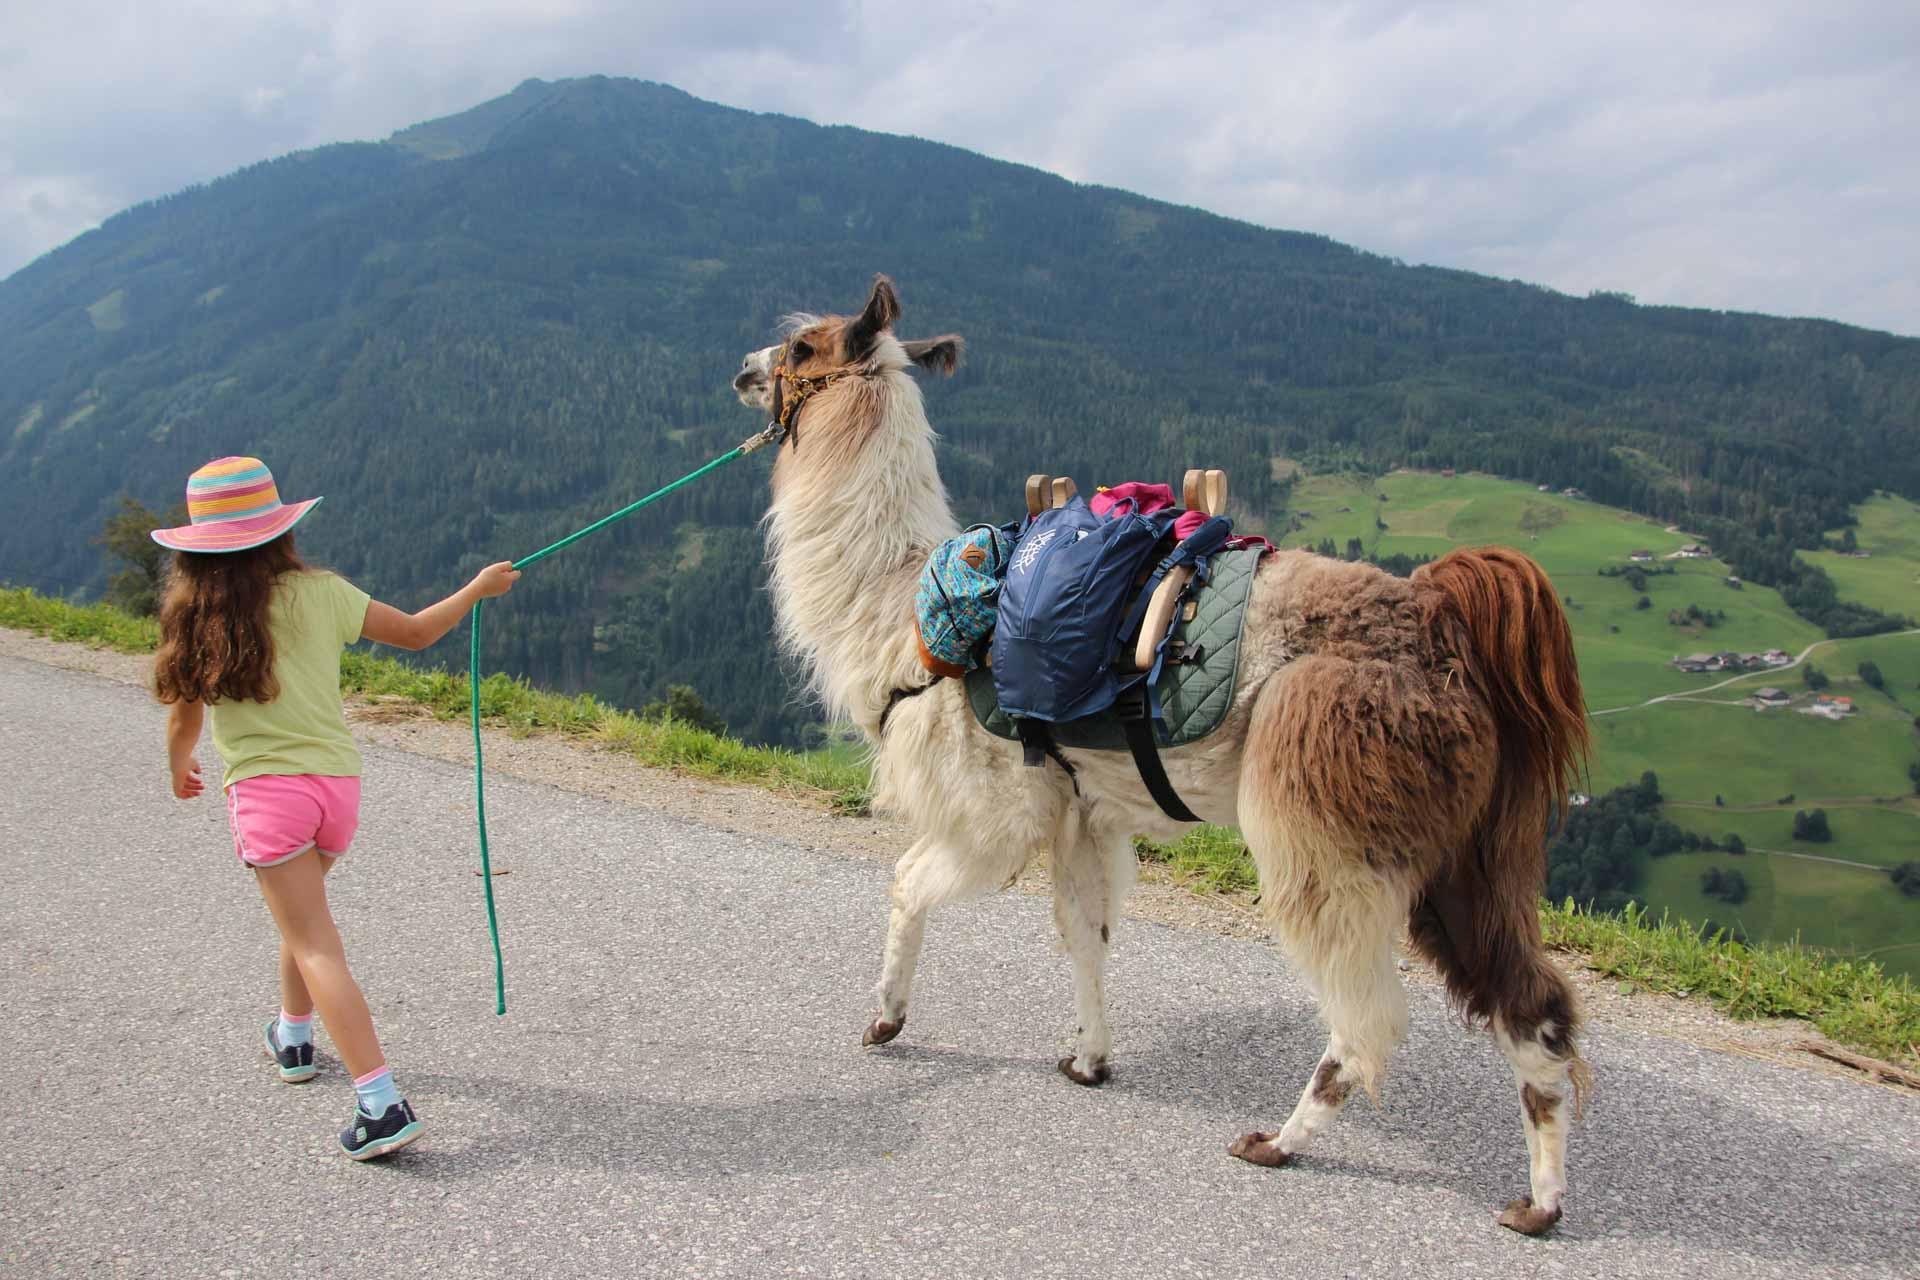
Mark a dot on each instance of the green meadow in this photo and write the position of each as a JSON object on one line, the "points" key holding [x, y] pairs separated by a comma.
{"points": [[1710, 743], [1889, 579]]}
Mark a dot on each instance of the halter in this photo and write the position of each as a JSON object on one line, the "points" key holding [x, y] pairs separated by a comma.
{"points": [[786, 411]]}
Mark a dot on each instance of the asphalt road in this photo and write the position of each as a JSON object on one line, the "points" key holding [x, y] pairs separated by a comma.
{"points": [[678, 1087]]}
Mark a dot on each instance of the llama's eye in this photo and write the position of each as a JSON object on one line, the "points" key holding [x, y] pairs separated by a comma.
{"points": [[801, 351]]}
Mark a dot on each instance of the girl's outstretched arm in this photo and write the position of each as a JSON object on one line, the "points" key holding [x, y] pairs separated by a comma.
{"points": [[183, 733], [388, 625]]}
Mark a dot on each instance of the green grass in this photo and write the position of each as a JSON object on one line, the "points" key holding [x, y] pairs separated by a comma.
{"points": [[1701, 750], [1889, 528], [96, 625], [1208, 858], [1855, 1003], [1883, 835]]}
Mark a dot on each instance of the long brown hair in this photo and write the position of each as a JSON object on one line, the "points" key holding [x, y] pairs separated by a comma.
{"points": [[214, 641]]}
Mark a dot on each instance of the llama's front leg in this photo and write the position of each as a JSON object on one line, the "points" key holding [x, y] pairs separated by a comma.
{"points": [[905, 931], [1081, 911]]}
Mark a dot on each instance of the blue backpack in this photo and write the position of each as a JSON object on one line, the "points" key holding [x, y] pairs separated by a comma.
{"points": [[1076, 593], [1063, 606]]}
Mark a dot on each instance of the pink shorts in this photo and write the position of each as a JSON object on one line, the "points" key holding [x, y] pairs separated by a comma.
{"points": [[280, 816]]}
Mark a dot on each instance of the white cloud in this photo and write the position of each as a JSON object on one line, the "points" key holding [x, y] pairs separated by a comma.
{"points": [[1751, 156]]}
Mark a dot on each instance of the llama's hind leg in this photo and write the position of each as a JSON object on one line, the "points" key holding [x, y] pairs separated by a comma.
{"points": [[1551, 1079], [1345, 944], [1487, 946]]}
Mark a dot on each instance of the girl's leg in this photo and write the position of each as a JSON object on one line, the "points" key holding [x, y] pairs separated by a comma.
{"points": [[297, 896], [294, 996]]}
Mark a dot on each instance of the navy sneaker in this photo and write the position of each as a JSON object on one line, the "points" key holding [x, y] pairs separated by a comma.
{"points": [[295, 1060], [370, 1137]]}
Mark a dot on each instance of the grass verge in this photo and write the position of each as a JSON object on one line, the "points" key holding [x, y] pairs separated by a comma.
{"points": [[1854, 1002]]}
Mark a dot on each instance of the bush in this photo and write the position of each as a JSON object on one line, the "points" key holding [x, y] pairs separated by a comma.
{"points": [[1811, 826], [1906, 878], [684, 705], [1870, 674], [1735, 845], [1816, 678], [1728, 886]]}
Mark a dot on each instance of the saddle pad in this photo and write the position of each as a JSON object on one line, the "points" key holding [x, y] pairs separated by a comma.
{"points": [[1194, 696]]}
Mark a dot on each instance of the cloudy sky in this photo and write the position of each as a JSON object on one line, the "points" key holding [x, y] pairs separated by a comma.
{"points": [[1748, 155]]}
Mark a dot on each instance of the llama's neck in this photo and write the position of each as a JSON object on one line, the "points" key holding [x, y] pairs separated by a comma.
{"points": [[856, 510]]}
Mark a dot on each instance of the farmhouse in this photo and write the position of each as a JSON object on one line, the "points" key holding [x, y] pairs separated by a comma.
{"points": [[1777, 658], [1640, 557], [1544, 488], [1829, 707], [1770, 697], [1694, 551]]}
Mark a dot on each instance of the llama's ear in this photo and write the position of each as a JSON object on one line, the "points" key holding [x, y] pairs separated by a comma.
{"points": [[937, 355], [882, 309]]}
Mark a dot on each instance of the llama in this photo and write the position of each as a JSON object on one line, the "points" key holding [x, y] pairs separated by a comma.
{"points": [[1393, 754]]}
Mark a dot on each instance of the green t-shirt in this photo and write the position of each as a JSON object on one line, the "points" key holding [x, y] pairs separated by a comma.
{"points": [[313, 616]]}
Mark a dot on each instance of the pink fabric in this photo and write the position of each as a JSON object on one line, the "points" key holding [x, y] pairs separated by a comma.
{"points": [[1184, 526], [280, 816], [1147, 498]]}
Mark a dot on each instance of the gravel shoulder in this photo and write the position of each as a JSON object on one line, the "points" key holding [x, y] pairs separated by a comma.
{"points": [[589, 770]]}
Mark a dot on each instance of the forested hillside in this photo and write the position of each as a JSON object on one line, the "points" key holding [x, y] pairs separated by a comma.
{"points": [[490, 329]]}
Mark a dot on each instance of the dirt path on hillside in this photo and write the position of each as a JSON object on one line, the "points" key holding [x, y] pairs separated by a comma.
{"points": [[586, 769]]}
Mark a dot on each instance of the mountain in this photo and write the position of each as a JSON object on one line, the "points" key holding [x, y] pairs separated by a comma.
{"points": [[490, 329]]}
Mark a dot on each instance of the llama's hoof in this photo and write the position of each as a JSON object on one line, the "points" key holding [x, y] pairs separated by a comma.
{"points": [[1521, 1215], [1260, 1149], [879, 1031], [1091, 1079]]}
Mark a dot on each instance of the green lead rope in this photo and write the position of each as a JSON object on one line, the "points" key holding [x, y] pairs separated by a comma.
{"points": [[769, 436]]}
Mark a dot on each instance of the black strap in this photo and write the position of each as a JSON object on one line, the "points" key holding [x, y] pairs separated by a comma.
{"points": [[1137, 724], [897, 697], [1037, 747]]}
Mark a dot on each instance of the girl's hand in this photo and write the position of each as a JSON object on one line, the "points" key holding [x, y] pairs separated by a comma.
{"points": [[186, 780], [495, 580]]}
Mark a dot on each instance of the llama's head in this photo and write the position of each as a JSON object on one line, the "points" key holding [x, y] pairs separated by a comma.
{"points": [[816, 349]]}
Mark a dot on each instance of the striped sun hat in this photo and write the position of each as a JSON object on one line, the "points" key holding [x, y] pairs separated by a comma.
{"points": [[234, 505]]}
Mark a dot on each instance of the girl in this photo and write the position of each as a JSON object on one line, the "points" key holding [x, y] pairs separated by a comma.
{"points": [[250, 631]]}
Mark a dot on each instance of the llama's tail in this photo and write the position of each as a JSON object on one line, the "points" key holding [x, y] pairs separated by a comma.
{"points": [[1494, 611]]}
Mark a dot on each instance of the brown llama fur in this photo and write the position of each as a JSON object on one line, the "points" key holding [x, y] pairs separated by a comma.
{"points": [[1394, 753]]}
